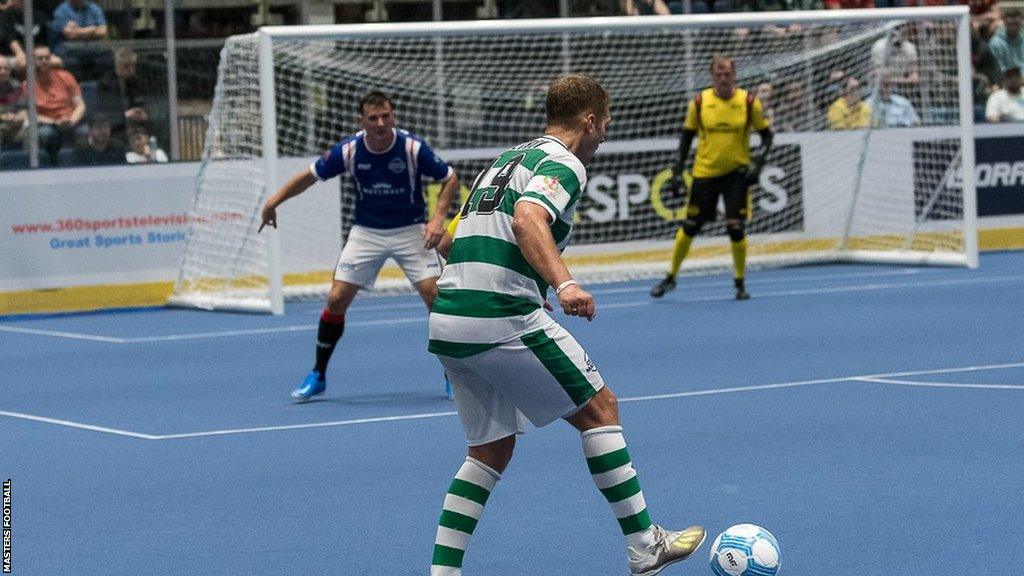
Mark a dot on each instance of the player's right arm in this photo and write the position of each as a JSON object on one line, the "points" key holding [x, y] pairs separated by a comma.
{"points": [[690, 126], [532, 227], [293, 187], [331, 164]]}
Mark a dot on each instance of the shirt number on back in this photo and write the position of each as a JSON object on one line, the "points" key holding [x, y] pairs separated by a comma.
{"points": [[488, 198]]}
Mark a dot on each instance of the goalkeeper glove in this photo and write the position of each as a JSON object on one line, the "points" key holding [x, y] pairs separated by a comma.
{"points": [[674, 186]]}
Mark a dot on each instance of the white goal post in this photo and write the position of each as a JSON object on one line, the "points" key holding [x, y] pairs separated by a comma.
{"points": [[888, 180]]}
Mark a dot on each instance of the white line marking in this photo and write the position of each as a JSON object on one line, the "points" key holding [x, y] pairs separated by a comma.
{"points": [[941, 384], [423, 317], [820, 291], [689, 282], [947, 370], [59, 334], [713, 391], [221, 334], [301, 426], [694, 282], [70, 424], [873, 378], [257, 331]]}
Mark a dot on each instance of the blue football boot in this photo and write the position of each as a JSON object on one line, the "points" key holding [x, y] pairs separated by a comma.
{"points": [[313, 384]]}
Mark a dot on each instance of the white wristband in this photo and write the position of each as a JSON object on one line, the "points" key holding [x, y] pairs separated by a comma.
{"points": [[565, 285]]}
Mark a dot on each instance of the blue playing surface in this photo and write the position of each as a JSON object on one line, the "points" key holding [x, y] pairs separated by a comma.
{"points": [[869, 416]]}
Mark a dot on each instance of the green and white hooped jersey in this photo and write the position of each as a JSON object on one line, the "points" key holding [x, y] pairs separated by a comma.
{"points": [[488, 293]]}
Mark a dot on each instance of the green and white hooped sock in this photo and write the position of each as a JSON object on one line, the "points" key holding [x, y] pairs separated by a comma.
{"points": [[613, 472], [463, 506]]}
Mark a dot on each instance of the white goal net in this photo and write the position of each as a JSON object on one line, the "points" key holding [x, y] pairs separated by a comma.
{"points": [[883, 177]]}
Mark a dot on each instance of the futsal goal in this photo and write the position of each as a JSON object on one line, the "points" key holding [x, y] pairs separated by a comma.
{"points": [[886, 185]]}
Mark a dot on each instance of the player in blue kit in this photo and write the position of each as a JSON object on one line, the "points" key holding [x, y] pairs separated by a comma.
{"points": [[387, 165]]}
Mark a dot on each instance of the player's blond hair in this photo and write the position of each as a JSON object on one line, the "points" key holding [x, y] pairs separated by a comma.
{"points": [[723, 60], [572, 96]]}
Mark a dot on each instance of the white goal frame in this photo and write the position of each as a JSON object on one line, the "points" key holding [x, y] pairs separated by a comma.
{"points": [[267, 35]]}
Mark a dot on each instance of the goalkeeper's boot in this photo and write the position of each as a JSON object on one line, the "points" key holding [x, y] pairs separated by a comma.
{"points": [[741, 289], [314, 383], [668, 548], [669, 283], [448, 392]]}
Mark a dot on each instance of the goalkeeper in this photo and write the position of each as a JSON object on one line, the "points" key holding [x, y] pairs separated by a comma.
{"points": [[723, 117]]}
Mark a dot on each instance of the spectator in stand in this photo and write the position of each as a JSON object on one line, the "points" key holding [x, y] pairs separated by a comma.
{"points": [[13, 118], [764, 92], [794, 112], [847, 4], [12, 34], [984, 62], [891, 110], [58, 102], [898, 57], [1007, 44], [849, 111], [83, 22], [98, 148], [144, 149], [10, 89], [1007, 103], [644, 7], [120, 95], [985, 16]]}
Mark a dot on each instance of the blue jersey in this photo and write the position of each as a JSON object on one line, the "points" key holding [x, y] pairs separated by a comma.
{"points": [[389, 185]]}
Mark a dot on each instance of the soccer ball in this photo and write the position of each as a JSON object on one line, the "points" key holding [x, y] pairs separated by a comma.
{"points": [[745, 550]]}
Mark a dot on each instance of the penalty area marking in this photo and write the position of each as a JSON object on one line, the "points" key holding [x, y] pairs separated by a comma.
{"points": [[891, 378]]}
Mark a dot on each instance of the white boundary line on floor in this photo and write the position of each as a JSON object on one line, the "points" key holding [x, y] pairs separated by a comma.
{"points": [[79, 425], [423, 318], [888, 378]]}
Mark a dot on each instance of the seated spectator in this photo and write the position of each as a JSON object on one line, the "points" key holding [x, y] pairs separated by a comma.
{"points": [[82, 21], [1007, 44], [898, 57], [644, 7], [985, 16], [144, 149], [58, 102], [13, 117], [891, 110], [119, 94], [98, 148], [849, 112], [12, 34], [794, 110], [987, 71], [10, 89], [1007, 103], [847, 4], [763, 92]]}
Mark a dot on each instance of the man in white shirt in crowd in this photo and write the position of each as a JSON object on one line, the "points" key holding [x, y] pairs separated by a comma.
{"points": [[1007, 103], [890, 110], [898, 56]]}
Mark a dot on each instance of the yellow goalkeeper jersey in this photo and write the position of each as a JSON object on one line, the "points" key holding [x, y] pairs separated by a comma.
{"points": [[723, 127]]}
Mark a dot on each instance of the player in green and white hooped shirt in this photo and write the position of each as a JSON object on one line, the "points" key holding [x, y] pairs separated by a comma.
{"points": [[507, 359]]}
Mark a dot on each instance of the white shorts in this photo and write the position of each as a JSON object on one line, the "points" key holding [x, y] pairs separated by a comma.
{"points": [[542, 376], [368, 248]]}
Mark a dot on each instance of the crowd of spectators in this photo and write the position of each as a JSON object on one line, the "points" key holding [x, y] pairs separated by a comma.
{"points": [[93, 109], [90, 106]]}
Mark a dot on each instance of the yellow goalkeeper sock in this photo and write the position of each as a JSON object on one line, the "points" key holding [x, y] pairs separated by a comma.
{"points": [[682, 247], [739, 258]]}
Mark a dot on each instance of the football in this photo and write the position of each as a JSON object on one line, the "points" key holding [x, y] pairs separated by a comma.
{"points": [[745, 550]]}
